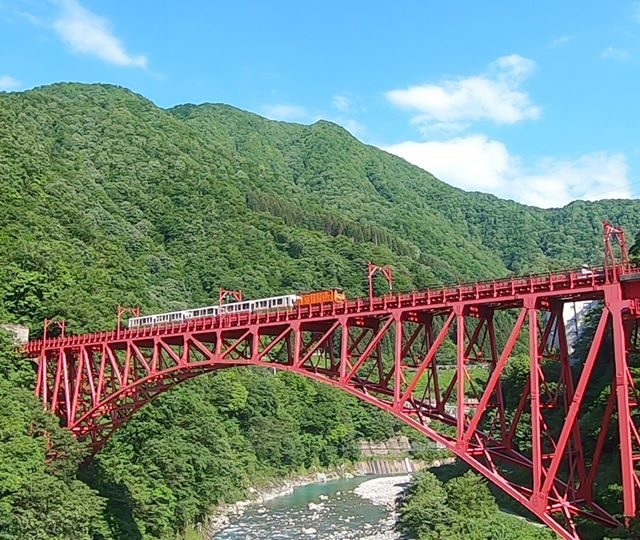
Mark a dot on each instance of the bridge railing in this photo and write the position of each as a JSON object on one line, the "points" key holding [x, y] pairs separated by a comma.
{"points": [[499, 288]]}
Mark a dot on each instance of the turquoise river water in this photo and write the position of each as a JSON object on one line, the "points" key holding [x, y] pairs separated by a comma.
{"points": [[353, 509]]}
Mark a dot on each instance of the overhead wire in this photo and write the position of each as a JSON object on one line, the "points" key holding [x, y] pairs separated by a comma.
{"points": [[632, 193]]}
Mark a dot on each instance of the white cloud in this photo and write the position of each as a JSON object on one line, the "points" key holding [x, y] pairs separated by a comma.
{"points": [[473, 162], [479, 163], [284, 112], [440, 129], [9, 83], [559, 41], [87, 33], [342, 103], [494, 95], [611, 53], [600, 175]]}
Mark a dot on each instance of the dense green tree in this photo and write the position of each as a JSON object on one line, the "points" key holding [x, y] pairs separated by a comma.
{"points": [[463, 508], [40, 496], [108, 199], [634, 250]]}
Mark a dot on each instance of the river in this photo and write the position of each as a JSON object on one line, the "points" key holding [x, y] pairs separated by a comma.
{"points": [[353, 509]]}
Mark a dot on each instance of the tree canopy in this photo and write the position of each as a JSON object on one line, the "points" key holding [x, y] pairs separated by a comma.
{"points": [[108, 199]]}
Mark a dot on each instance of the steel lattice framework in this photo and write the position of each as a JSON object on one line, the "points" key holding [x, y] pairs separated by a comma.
{"points": [[387, 351]]}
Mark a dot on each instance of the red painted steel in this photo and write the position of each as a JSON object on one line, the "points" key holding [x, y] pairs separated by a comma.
{"points": [[224, 295], [122, 312], [387, 351], [386, 271]]}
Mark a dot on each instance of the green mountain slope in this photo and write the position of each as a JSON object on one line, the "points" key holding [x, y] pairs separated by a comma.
{"points": [[108, 198]]}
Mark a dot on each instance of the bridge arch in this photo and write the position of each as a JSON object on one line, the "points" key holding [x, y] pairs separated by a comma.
{"points": [[387, 352]]}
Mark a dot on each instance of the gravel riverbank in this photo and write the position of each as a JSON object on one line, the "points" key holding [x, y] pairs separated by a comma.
{"points": [[345, 509], [376, 492], [384, 491]]}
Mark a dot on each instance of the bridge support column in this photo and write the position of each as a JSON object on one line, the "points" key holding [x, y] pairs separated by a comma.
{"points": [[615, 305], [397, 379], [534, 381], [344, 347], [461, 373]]}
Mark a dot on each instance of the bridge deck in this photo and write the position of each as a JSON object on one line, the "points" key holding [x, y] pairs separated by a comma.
{"points": [[570, 284]]}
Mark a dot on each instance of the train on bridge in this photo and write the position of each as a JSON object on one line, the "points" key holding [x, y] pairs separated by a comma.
{"points": [[287, 301]]}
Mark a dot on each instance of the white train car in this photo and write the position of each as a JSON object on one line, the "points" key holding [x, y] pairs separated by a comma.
{"points": [[286, 301]]}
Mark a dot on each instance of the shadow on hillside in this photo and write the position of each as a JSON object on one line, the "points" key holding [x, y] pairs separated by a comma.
{"points": [[119, 502]]}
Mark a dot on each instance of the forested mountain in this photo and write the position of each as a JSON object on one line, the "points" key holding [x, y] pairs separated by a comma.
{"points": [[108, 199]]}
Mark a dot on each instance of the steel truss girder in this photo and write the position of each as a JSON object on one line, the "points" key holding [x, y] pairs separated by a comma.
{"points": [[392, 358]]}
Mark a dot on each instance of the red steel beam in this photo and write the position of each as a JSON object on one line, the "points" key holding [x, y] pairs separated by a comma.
{"points": [[96, 382]]}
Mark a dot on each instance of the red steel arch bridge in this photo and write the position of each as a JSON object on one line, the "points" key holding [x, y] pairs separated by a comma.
{"points": [[387, 350]]}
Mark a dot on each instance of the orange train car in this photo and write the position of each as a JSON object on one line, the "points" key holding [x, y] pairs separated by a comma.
{"points": [[320, 297]]}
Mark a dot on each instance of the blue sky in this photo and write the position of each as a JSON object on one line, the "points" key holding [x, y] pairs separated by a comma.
{"points": [[533, 101]]}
